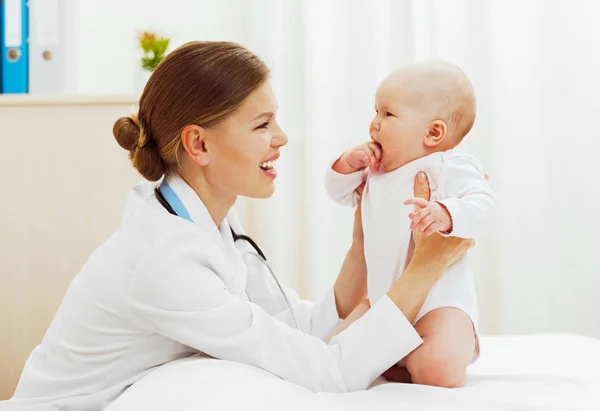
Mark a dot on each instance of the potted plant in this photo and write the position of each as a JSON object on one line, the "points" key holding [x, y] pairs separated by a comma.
{"points": [[154, 48]]}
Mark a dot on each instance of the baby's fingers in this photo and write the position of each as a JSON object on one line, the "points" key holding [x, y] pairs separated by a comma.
{"points": [[419, 203], [372, 158], [425, 222], [358, 159], [417, 218], [376, 150], [367, 158], [428, 225]]}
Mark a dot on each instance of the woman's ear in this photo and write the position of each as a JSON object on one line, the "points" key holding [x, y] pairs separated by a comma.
{"points": [[193, 138], [436, 133]]}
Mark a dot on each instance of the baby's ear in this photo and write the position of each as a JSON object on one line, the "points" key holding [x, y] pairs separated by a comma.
{"points": [[436, 133]]}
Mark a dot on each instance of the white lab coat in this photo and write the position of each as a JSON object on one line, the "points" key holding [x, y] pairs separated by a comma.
{"points": [[163, 288]]}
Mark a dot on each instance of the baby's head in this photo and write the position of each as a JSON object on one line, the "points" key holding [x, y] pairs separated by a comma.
{"points": [[421, 109]]}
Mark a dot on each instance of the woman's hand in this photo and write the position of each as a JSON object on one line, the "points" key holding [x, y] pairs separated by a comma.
{"points": [[446, 250]]}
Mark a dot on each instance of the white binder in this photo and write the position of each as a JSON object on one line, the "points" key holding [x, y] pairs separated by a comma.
{"points": [[47, 46]]}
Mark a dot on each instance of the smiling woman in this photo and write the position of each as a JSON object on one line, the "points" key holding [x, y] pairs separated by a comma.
{"points": [[234, 120]]}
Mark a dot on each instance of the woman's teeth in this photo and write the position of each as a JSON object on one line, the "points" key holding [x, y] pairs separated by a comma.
{"points": [[268, 165]]}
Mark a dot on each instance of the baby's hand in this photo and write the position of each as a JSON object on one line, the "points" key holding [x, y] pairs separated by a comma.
{"points": [[367, 154], [432, 217]]}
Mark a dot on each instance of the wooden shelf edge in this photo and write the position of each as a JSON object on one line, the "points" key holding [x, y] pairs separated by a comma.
{"points": [[16, 100]]}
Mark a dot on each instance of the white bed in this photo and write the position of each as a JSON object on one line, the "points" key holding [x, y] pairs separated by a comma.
{"points": [[541, 372]]}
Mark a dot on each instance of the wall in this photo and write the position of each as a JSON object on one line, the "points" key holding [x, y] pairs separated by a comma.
{"points": [[102, 41], [66, 184]]}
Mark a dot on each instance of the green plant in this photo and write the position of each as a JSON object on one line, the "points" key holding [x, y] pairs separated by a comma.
{"points": [[154, 48]]}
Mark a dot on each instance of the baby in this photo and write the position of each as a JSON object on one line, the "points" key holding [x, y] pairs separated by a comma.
{"points": [[422, 112]]}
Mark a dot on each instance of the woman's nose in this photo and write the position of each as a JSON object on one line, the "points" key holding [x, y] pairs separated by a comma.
{"points": [[279, 138]]}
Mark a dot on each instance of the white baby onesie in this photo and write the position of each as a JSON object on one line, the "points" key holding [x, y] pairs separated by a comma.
{"points": [[456, 181]]}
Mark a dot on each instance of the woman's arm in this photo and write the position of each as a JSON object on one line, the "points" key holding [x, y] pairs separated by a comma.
{"points": [[351, 284]]}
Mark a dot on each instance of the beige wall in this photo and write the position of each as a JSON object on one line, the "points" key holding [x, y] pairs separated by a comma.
{"points": [[63, 185]]}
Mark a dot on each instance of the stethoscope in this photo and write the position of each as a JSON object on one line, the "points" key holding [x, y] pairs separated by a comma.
{"points": [[171, 202]]}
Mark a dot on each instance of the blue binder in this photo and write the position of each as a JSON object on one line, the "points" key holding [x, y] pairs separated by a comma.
{"points": [[15, 54]]}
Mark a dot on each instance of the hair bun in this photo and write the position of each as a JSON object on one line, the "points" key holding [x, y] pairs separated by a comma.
{"points": [[148, 161], [127, 132], [143, 151]]}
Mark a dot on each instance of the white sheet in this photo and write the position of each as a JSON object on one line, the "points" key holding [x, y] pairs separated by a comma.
{"points": [[542, 372]]}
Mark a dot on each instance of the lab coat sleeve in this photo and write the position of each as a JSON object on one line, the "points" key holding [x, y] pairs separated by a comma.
{"points": [[341, 187], [318, 319], [469, 199], [176, 293]]}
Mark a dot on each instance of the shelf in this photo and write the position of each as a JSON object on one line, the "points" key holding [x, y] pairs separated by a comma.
{"points": [[15, 100]]}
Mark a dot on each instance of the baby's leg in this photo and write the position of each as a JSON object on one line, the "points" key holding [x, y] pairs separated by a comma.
{"points": [[447, 349], [358, 312]]}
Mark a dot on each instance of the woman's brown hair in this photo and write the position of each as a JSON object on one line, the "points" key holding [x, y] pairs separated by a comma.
{"points": [[199, 83]]}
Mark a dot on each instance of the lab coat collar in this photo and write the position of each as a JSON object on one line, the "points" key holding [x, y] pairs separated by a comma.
{"points": [[197, 210], [218, 235]]}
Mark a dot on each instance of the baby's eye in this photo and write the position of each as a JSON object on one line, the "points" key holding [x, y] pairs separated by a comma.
{"points": [[388, 114]]}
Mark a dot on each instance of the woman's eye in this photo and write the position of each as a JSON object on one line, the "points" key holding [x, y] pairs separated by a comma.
{"points": [[264, 125]]}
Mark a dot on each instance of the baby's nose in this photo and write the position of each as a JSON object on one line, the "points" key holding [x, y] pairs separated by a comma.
{"points": [[375, 124]]}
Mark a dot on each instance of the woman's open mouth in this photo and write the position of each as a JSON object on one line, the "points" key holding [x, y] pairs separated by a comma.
{"points": [[268, 167]]}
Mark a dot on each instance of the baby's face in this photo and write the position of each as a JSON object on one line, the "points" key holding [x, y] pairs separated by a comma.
{"points": [[400, 123]]}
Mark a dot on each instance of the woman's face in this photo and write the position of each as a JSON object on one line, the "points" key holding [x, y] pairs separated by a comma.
{"points": [[243, 148]]}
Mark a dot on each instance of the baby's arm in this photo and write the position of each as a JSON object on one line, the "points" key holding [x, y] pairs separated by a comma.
{"points": [[469, 198], [349, 171], [470, 203]]}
